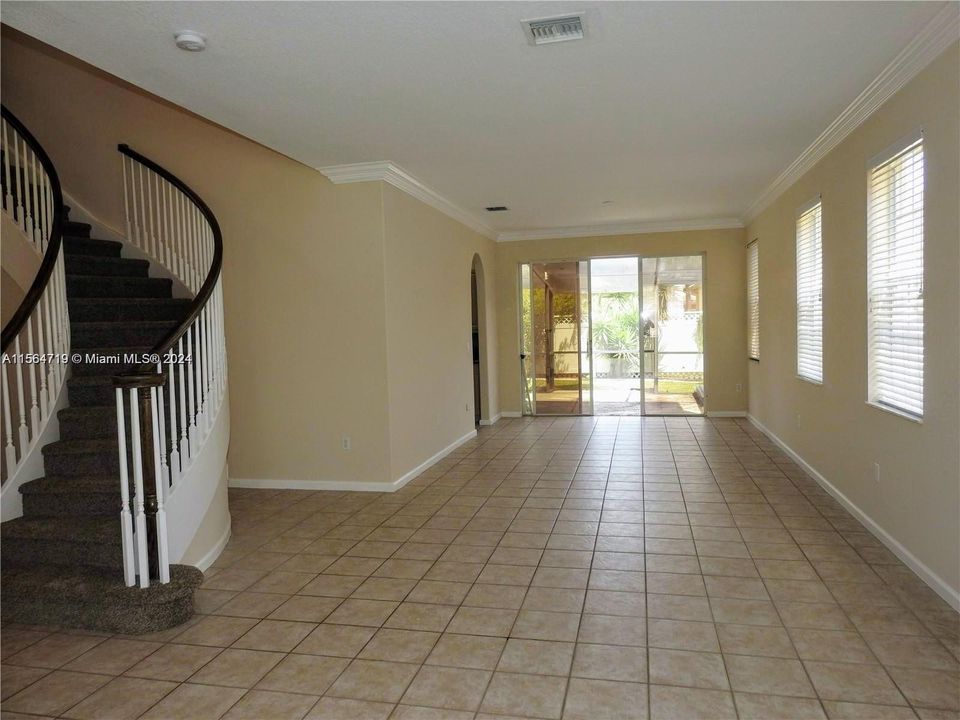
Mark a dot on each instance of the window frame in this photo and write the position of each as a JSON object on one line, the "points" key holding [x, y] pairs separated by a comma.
{"points": [[753, 330], [813, 203], [876, 162]]}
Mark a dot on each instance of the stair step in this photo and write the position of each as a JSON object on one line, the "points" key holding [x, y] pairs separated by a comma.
{"points": [[103, 309], [71, 496], [89, 456], [88, 423], [91, 246], [77, 229], [87, 390], [117, 287], [97, 599], [101, 265], [90, 541], [119, 333]]}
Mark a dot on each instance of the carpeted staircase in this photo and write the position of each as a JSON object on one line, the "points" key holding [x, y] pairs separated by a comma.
{"points": [[62, 561]]}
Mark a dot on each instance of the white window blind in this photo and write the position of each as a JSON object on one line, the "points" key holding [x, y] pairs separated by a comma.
{"points": [[895, 281], [810, 294], [753, 301]]}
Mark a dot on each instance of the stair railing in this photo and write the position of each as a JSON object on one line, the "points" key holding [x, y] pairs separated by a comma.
{"points": [[173, 398], [36, 340]]}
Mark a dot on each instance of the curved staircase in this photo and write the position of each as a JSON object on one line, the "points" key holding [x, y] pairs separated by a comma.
{"points": [[62, 562], [144, 373]]}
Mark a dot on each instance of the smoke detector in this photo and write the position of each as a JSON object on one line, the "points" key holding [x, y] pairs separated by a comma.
{"points": [[190, 41], [561, 28]]}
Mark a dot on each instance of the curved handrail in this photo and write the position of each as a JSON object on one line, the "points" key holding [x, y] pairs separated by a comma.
{"points": [[216, 264], [30, 300]]}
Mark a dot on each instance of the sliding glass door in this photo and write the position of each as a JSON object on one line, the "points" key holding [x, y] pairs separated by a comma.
{"points": [[612, 336], [673, 335], [617, 362], [555, 333]]}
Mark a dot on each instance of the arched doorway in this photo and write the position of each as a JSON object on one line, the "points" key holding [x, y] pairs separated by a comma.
{"points": [[478, 340]]}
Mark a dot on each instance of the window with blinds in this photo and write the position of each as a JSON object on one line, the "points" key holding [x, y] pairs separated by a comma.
{"points": [[895, 281], [810, 294], [753, 301]]}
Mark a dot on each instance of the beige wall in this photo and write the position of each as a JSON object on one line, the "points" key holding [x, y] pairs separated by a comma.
{"points": [[304, 277], [428, 258], [831, 427], [724, 302]]}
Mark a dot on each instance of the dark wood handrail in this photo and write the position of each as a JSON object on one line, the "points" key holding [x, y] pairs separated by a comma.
{"points": [[40, 282], [206, 289]]}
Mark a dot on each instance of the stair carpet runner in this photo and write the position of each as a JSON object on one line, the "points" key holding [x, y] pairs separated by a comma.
{"points": [[62, 560]]}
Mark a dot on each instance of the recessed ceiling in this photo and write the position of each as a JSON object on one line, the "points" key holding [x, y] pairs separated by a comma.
{"points": [[674, 110]]}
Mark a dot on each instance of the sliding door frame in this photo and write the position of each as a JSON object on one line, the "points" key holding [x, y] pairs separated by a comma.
{"points": [[643, 380]]}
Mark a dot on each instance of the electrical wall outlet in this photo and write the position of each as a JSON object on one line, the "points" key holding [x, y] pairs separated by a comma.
{"points": [[345, 442], [798, 421], [876, 472], [739, 387]]}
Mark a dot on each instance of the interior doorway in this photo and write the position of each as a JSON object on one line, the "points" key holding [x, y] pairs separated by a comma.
{"points": [[612, 336], [475, 343]]}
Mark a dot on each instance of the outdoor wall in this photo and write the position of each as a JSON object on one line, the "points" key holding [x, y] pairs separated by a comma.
{"points": [[428, 258], [917, 500], [724, 302], [303, 262]]}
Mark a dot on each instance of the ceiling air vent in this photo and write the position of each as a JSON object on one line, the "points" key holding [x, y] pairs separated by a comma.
{"points": [[554, 29], [497, 208]]}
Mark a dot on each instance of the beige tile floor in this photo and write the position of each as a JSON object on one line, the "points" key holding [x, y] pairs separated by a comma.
{"points": [[554, 568]]}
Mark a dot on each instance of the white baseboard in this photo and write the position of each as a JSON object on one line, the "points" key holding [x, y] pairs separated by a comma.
{"points": [[351, 485], [492, 420], [411, 474], [511, 414], [938, 584], [211, 557], [726, 413]]}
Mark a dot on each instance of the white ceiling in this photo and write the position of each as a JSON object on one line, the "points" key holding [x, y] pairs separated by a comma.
{"points": [[675, 111]]}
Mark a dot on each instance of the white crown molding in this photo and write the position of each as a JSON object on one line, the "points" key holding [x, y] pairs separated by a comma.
{"points": [[935, 37], [402, 180], [634, 228]]}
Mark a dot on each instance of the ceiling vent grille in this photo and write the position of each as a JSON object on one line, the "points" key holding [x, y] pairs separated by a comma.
{"points": [[554, 29]]}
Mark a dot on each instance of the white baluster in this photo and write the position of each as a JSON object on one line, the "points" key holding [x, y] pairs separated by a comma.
{"points": [[184, 442], [195, 237], [126, 519], [143, 565], [8, 198], [142, 240], [34, 408], [175, 468], [37, 235], [199, 347], [178, 267], [42, 230], [126, 196], [163, 553], [162, 452], [168, 224], [155, 217], [21, 408], [18, 176], [45, 335], [190, 392], [28, 212], [9, 450]]}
